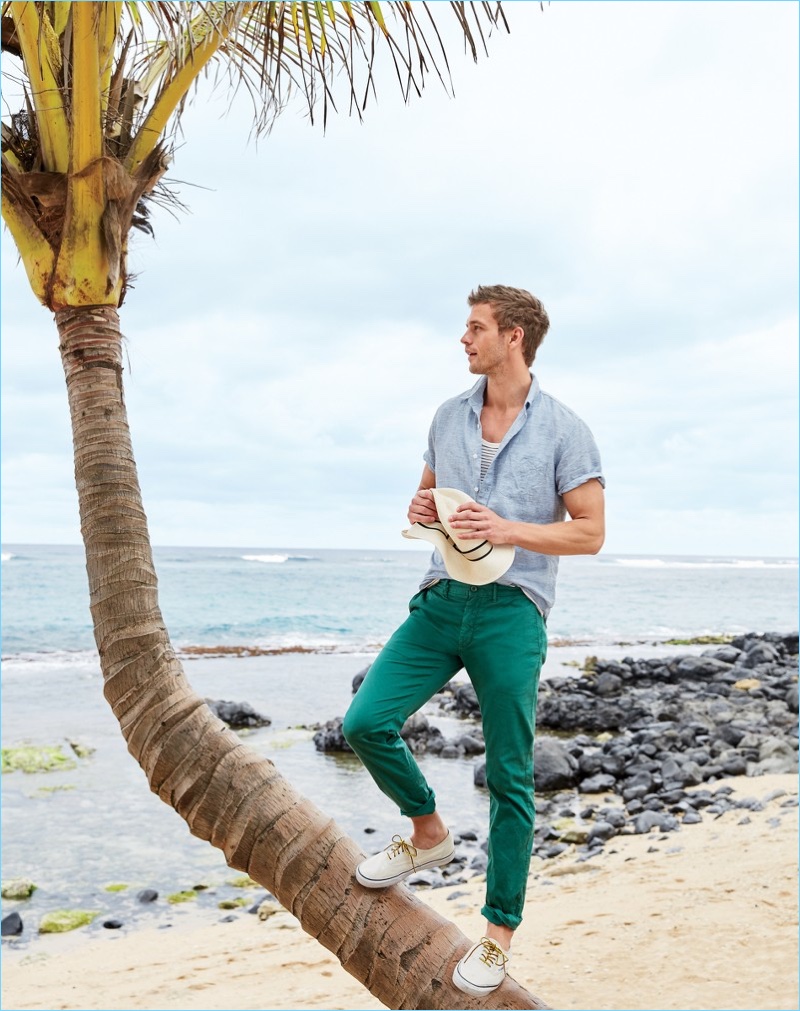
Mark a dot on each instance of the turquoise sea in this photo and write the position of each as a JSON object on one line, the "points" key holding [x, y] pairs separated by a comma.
{"points": [[75, 831], [345, 601]]}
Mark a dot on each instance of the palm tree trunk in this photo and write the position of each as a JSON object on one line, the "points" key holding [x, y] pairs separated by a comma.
{"points": [[395, 945]]}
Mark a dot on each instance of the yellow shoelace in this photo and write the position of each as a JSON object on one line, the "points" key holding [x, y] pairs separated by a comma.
{"points": [[400, 845], [492, 954]]}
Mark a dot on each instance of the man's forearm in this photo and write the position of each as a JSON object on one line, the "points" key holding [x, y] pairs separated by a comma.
{"points": [[582, 534], [571, 537]]}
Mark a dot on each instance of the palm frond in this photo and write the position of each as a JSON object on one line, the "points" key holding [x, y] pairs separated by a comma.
{"points": [[102, 87], [317, 50], [323, 52]]}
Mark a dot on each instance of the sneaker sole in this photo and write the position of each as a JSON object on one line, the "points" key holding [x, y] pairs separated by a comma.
{"points": [[397, 878], [465, 986]]}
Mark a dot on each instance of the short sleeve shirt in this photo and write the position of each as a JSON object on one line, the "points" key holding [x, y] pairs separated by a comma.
{"points": [[546, 452]]}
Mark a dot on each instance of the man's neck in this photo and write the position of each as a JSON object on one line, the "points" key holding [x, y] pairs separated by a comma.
{"points": [[507, 391]]}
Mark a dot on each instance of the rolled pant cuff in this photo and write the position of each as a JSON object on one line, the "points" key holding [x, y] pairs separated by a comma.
{"points": [[427, 808], [501, 919]]}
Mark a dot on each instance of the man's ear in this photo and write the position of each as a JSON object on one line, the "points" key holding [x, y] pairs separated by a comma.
{"points": [[517, 336]]}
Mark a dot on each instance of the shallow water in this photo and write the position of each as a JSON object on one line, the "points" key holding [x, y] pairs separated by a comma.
{"points": [[99, 823]]}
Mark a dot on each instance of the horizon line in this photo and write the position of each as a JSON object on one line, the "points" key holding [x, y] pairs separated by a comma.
{"points": [[404, 550]]}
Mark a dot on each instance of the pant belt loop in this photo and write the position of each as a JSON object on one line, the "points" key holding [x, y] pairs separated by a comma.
{"points": [[494, 592]]}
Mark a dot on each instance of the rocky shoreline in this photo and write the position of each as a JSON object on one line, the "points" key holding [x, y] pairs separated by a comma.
{"points": [[632, 746], [624, 748]]}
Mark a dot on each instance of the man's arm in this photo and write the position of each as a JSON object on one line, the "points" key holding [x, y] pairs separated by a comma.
{"points": [[583, 534], [422, 508]]}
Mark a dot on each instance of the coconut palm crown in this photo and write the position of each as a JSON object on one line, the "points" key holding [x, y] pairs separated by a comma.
{"points": [[102, 89]]}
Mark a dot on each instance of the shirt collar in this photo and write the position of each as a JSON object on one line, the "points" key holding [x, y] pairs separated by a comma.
{"points": [[474, 396]]}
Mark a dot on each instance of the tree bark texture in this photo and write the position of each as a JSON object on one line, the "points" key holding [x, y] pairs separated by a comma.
{"points": [[395, 945]]}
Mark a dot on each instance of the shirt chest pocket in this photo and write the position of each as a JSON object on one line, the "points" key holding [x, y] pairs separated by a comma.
{"points": [[525, 486]]}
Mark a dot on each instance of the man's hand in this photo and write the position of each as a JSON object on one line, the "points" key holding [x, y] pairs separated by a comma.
{"points": [[478, 523], [423, 508]]}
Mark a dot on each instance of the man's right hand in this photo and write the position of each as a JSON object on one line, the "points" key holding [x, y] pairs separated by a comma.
{"points": [[423, 507]]}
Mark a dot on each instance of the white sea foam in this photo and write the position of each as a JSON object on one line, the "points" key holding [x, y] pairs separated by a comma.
{"points": [[278, 559], [47, 660], [705, 563], [7, 556]]}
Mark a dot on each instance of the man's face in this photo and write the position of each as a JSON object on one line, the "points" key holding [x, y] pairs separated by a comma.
{"points": [[483, 341]]}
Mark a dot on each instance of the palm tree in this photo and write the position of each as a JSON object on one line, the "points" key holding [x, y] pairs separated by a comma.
{"points": [[81, 160]]}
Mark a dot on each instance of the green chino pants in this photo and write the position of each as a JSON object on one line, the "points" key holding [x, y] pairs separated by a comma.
{"points": [[499, 636]]}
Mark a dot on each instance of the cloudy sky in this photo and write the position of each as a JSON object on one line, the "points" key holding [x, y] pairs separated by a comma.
{"points": [[634, 164]]}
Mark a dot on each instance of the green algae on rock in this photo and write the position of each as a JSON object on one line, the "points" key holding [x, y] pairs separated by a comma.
{"points": [[48, 791], [81, 750], [18, 888], [178, 897], [35, 758], [59, 921], [244, 882], [233, 903]]}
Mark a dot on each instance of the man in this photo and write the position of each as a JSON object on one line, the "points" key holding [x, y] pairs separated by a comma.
{"points": [[525, 461]]}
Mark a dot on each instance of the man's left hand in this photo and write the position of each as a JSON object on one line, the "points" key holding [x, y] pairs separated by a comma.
{"points": [[478, 522]]}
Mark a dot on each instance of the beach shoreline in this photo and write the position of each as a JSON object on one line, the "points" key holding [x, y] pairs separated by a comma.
{"points": [[667, 918], [52, 818], [705, 917], [102, 808]]}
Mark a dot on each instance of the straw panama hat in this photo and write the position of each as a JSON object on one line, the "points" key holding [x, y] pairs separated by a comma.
{"points": [[475, 562]]}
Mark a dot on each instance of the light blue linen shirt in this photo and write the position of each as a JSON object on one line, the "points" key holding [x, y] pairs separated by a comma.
{"points": [[546, 452]]}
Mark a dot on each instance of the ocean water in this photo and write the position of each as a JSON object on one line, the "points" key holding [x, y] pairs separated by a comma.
{"points": [[345, 601], [76, 830]]}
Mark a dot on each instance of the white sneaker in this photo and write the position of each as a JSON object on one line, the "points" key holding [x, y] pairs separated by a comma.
{"points": [[482, 969], [400, 860]]}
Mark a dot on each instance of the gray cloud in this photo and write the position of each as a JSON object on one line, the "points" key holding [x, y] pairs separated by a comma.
{"points": [[289, 339]]}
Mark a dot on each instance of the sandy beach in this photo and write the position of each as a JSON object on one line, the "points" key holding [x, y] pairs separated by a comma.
{"points": [[706, 917]]}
